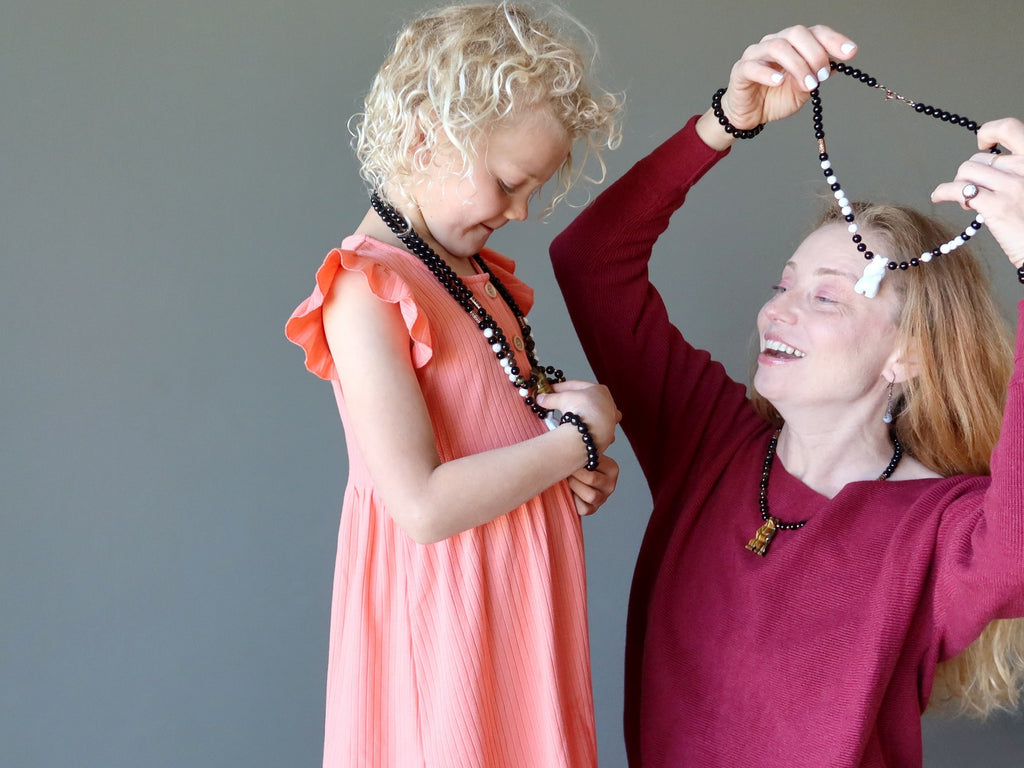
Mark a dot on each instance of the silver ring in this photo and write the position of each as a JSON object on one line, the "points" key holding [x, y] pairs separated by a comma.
{"points": [[970, 191]]}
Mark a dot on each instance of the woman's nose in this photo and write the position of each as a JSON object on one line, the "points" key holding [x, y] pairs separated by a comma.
{"points": [[780, 308]]}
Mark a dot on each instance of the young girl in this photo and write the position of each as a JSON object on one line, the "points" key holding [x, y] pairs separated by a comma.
{"points": [[459, 626]]}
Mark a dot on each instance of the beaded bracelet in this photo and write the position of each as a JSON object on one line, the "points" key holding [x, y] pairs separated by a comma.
{"points": [[588, 441], [1020, 275], [739, 133]]}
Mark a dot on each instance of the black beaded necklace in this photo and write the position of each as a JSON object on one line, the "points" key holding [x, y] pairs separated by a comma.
{"points": [[540, 378], [877, 263], [772, 525]]}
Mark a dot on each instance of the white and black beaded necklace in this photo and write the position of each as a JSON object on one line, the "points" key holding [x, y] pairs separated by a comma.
{"points": [[877, 263], [539, 379]]}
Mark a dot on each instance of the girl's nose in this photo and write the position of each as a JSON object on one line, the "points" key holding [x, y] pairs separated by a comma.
{"points": [[518, 208]]}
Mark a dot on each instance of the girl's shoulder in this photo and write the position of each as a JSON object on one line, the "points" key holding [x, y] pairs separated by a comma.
{"points": [[387, 272]]}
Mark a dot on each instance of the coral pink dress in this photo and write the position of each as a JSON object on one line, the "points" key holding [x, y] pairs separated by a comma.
{"points": [[473, 651]]}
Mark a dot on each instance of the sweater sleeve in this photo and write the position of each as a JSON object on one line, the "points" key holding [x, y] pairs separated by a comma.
{"points": [[980, 568], [668, 391]]}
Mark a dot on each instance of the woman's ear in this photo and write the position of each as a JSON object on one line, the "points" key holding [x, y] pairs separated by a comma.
{"points": [[905, 363]]}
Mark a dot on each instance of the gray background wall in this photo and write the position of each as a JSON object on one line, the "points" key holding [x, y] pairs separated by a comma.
{"points": [[172, 173]]}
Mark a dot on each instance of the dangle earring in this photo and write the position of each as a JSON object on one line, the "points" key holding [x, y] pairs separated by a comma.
{"points": [[887, 418]]}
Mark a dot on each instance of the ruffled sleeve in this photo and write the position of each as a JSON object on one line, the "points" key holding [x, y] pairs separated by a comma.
{"points": [[505, 268], [306, 326]]}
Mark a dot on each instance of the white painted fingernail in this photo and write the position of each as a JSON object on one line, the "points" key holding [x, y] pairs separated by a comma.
{"points": [[823, 74], [777, 78], [848, 47], [810, 82]]}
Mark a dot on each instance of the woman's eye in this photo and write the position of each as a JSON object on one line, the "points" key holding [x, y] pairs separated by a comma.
{"points": [[778, 289], [508, 189]]}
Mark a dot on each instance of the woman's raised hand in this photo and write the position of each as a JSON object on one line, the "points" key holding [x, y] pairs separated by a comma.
{"points": [[998, 181], [773, 78]]}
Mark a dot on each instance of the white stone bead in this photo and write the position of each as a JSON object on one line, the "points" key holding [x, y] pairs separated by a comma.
{"points": [[926, 256], [852, 229]]}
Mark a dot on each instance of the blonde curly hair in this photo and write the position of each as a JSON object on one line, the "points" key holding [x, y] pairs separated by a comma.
{"points": [[457, 71]]}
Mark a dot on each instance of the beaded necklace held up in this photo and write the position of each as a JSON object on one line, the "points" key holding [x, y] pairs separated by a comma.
{"points": [[772, 525], [877, 263], [539, 379]]}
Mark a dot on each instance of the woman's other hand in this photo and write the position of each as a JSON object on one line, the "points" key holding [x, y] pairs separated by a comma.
{"points": [[999, 185]]}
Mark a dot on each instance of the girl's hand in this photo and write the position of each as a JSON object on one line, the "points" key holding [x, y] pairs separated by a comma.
{"points": [[591, 489], [1000, 182], [591, 402], [774, 77]]}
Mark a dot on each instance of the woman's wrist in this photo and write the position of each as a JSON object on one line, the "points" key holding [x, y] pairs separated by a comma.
{"points": [[712, 133]]}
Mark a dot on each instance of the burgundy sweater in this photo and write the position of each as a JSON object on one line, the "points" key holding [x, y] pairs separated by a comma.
{"points": [[823, 653]]}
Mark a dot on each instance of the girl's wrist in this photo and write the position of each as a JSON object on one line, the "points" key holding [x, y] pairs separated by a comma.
{"points": [[588, 440]]}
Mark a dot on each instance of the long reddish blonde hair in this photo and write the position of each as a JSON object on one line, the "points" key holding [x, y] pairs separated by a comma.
{"points": [[949, 416]]}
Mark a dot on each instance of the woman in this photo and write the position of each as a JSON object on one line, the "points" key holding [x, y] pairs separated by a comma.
{"points": [[818, 554]]}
